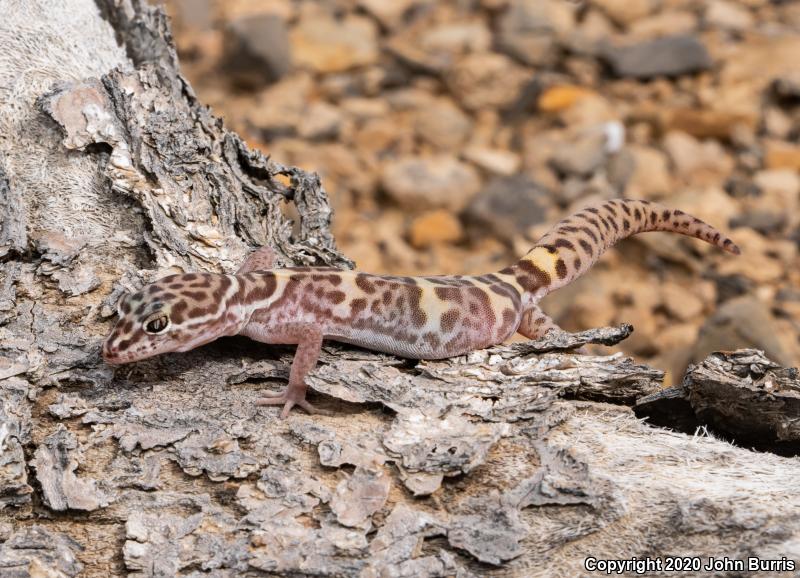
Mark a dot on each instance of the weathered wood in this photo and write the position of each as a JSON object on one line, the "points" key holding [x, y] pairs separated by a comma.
{"points": [[493, 463]]}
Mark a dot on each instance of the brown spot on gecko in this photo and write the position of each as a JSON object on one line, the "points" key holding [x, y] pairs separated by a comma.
{"points": [[448, 320], [449, 294], [195, 295], [561, 269], [363, 283], [509, 319], [626, 209], [564, 243], [263, 288], [418, 315], [176, 314], [591, 233], [541, 277], [337, 297], [357, 306], [202, 311]]}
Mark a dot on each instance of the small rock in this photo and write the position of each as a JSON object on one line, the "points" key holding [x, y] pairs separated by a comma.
{"points": [[787, 87], [257, 49], [589, 112], [529, 29], [707, 123], [670, 23], [442, 124], [651, 177], [619, 170], [434, 228], [624, 12], [457, 38], [437, 48], [782, 155], [678, 336], [388, 12], [777, 123], [326, 45], [780, 197], [680, 303], [320, 121], [508, 206], [363, 109], [670, 56], [691, 157], [741, 322], [592, 309], [280, 107], [486, 80], [783, 182], [435, 182], [193, 14], [561, 97], [583, 156], [497, 161], [765, 222], [728, 15]]}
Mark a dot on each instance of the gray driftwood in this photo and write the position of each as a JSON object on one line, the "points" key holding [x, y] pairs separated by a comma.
{"points": [[504, 462]]}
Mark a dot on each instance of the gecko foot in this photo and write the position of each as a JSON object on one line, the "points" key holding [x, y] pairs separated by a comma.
{"points": [[290, 397]]}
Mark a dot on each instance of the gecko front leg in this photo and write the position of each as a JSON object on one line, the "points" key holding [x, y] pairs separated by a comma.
{"points": [[308, 337]]}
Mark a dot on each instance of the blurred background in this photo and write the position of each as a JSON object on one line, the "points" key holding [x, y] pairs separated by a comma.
{"points": [[451, 134]]}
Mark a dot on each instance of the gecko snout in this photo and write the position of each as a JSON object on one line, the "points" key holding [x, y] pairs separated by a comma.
{"points": [[110, 352]]}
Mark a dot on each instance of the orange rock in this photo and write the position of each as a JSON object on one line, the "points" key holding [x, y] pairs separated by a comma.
{"points": [[707, 123], [327, 45], [561, 97], [782, 155], [433, 228]]}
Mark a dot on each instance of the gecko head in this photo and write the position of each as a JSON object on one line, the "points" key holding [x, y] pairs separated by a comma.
{"points": [[176, 313]]}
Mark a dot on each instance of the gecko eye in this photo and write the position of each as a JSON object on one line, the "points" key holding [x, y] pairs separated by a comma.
{"points": [[157, 323]]}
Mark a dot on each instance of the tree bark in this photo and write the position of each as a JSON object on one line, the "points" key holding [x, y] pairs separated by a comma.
{"points": [[519, 460]]}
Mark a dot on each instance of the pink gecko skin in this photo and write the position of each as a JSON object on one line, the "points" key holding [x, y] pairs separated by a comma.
{"points": [[414, 317]]}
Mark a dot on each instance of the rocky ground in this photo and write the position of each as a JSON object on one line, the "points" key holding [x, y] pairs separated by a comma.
{"points": [[451, 134]]}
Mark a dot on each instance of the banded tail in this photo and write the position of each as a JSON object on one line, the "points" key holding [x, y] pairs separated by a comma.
{"points": [[570, 248]]}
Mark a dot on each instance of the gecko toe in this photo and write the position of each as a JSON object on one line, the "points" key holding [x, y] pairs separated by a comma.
{"points": [[271, 398]]}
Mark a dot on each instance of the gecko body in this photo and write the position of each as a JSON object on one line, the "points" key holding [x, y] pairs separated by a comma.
{"points": [[415, 317]]}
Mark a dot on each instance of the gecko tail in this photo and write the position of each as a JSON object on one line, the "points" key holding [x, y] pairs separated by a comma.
{"points": [[571, 247]]}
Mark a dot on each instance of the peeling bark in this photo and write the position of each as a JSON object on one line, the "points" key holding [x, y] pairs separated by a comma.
{"points": [[520, 460]]}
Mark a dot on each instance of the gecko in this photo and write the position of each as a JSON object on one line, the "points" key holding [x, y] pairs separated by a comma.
{"points": [[414, 317]]}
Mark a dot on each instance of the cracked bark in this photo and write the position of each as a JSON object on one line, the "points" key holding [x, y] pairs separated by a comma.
{"points": [[505, 462]]}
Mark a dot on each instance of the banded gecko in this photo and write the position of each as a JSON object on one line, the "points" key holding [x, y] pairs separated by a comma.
{"points": [[414, 317]]}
